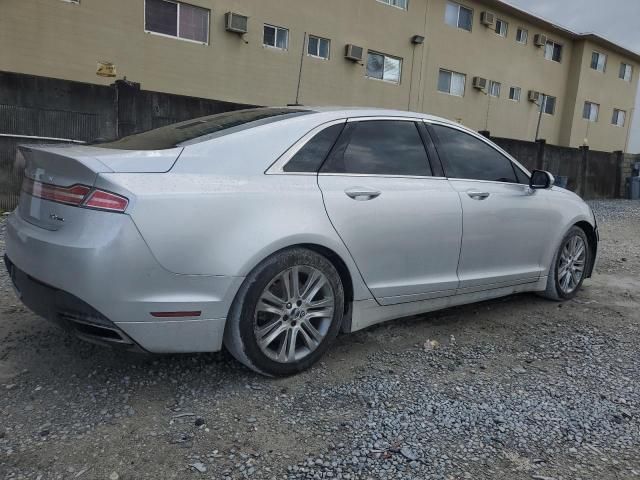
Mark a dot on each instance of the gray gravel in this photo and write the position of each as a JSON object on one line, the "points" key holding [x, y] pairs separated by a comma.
{"points": [[518, 388]]}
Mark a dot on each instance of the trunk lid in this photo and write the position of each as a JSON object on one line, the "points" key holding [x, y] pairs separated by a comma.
{"points": [[67, 165]]}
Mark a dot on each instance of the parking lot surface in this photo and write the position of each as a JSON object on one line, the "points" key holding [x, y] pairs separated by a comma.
{"points": [[517, 388]]}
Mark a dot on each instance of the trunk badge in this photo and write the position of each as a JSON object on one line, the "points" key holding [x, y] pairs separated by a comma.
{"points": [[53, 216]]}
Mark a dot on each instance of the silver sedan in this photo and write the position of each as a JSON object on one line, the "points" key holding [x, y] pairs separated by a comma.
{"points": [[271, 230]]}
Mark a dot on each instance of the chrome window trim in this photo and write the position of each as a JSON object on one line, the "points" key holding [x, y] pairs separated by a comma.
{"points": [[488, 142], [413, 177]]}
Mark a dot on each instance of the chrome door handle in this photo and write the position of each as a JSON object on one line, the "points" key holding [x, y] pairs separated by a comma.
{"points": [[478, 195], [362, 194]]}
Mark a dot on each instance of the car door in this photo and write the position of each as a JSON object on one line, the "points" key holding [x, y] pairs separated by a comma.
{"points": [[505, 223], [402, 224]]}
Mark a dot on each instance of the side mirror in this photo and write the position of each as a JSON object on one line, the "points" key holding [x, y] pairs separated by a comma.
{"points": [[541, 180]]}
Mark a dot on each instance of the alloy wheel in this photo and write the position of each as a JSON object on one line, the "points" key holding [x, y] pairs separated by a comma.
{"points": [[571, 265], [294, 314]]}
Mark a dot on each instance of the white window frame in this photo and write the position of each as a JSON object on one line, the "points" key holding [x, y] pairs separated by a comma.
{"points": [[459, 6], [553, 45], [275, 37], [177, 35], [391, 4], [504, 24], [385, 56], [515, 90], [525, 34], [320, 39], [615, 119], [628, 68], [493, 85], [464, 82], [591, 110], [544, 99], [600, 56]]}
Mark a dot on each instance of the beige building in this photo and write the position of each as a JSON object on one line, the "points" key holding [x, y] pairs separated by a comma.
{"points": [[480, 62]]}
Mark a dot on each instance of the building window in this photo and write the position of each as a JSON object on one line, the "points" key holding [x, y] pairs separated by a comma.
{"points": [[548, 104], [553, 51], [590, 111], [318, 47], [458, 16], [384, 67], [619, 117], [502, 28], [402, 4], [626, 72], [175, 19], [598, 61], [451, 82], [522, 35], [494, 88], [276, 37], [515, 93]]}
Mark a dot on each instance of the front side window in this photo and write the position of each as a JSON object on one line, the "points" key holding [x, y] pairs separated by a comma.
{"points": [[626, 72], [276, 37], [468, 157], [381, 147], [311, 157], [619, 117], [553, 51], [502, 28], [548, 104], [598, 61], [451, 82], [522, 35], [515, 93], [384, 67], [177, 19], [590, 111], [494, 88], [402, 4], [458, 16], [318, 47]]}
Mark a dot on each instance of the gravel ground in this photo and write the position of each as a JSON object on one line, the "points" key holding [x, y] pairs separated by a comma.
{"points": [[518, 388]]}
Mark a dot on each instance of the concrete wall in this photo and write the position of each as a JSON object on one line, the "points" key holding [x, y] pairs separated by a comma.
{"points": [[60, 39]]}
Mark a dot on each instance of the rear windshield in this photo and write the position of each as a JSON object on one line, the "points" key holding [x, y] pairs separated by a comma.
{"points": [[201, 129]]}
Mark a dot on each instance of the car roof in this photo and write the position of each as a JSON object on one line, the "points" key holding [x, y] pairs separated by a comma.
{"points": [[341, 112]]}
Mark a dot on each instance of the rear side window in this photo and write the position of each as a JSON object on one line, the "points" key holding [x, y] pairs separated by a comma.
{"points": [[381, 147], [310, 157], [467, 157], [201, 129]]}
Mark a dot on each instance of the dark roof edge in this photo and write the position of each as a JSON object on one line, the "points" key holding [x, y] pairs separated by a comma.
{"points": [[546, 24]]}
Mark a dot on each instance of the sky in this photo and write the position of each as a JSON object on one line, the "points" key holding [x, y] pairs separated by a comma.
{"points": [[616, 20]]}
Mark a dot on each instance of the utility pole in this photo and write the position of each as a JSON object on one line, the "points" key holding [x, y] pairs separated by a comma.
{"points": [[541, 103]]}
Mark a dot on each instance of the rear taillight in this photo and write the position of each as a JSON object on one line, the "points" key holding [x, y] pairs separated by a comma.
{"points": [[73, 195], [76, 195], [106, 201]]}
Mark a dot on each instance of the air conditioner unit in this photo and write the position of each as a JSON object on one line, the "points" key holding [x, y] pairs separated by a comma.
{"points": [[540, 40], [488, 19], [236, 23], [534, 96], [479, 83], [354, 53]]}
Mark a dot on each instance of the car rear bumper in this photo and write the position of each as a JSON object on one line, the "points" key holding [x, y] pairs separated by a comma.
{"points": [[97, 278]]}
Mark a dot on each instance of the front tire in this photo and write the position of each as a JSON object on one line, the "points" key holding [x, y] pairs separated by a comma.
{"points": [[569, 266], [286, 313]]}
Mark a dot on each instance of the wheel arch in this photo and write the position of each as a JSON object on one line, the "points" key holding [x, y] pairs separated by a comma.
{"points": [[592, 236]]}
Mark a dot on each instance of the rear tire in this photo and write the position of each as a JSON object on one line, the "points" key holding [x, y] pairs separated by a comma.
{"points": [[569, 266], [286, 313]]}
